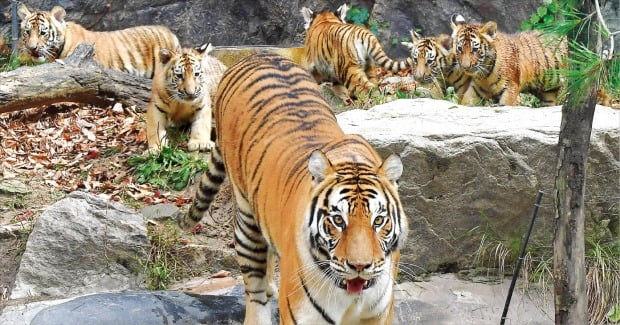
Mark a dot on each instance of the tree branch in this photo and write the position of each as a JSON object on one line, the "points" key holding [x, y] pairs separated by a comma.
{"points": [[603, 24], [77, 78]]}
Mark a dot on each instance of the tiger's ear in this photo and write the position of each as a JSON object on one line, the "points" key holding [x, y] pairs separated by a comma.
{"points": [[489, 30], [409, 45], [414, 35], [307, 14], [414, 38], [23, 12], [205, 49], [342, 12], [392, 168], [319, 166], [445, 43], [165, 55], [58, 13], [456, 20]]}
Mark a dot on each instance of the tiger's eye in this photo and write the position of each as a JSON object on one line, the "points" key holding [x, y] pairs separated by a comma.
{"points": [[338, 220], [379, 220]]}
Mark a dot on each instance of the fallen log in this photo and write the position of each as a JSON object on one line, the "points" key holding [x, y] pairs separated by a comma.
{"points": [[77, 78]]}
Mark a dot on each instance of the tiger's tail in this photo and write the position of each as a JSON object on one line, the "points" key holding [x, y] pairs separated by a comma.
{"points": [[380, 57], [210, 183]]}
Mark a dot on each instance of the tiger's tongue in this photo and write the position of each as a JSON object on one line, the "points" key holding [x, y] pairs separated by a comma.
{"points": [[355, 285]]}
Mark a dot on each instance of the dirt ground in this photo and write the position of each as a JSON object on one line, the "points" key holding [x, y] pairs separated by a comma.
{"points": [[56, 150]]}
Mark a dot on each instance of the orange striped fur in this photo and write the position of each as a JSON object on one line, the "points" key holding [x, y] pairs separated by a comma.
{"points": [[46, 36], [320, 201], [344, 54], [502, 65], [183, 87], [433, 66]]}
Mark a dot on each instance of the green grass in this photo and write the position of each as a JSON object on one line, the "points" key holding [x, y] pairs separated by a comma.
{"points": [[451, 95], [500, 252], [9, 63], [170, 168], [162, 265], [529, 100]]}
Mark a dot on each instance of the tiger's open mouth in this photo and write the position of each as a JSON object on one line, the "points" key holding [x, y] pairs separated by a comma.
{"points": [[356, 286], [37, 56]]}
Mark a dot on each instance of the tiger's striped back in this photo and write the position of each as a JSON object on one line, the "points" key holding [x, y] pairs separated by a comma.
{"points": [[344, 53], [320, 200], [47, 36]]}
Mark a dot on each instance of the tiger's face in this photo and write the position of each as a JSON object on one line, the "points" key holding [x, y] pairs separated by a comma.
{"points": [[339, 16], [185, 72], [42, 32], [430, 56], [357, 221], [473, 46]]}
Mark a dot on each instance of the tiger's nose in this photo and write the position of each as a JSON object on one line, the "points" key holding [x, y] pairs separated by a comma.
{"points": [[359, 266]]}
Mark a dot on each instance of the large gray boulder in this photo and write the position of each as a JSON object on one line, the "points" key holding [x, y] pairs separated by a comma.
{"points": [[476, 170], [82, 244]]}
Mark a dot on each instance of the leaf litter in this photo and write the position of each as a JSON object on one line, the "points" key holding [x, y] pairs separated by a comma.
{"points": [[69, 147]]}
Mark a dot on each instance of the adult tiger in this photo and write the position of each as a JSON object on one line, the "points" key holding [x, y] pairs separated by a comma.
{"points": [[502, 65], [344, 54], [433, 65], [320, 200], [183, 88], [47, 36]]}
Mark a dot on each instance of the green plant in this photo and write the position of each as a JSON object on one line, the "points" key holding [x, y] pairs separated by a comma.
{"points": [[451, 95], [370, 99], [9, 63], [169, 168], [497, 251], [546, 14], [400, 94], [361, 17], [162, 265], [614, 314], [529, 100], [602, 278]]}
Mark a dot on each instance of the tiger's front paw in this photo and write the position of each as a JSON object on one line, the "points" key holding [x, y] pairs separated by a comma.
{"points": [[202, 145]]}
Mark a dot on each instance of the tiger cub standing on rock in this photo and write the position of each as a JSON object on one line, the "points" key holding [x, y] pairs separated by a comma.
{"points": [[344, 54], [433, 66], [321, 201], [47, 36], [501, 65], [183, 87]]}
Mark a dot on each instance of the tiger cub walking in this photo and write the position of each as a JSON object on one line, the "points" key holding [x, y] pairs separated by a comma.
{"points": [[182, 92], [501, 65], [344, 54], [320, 200], [47, 36], [433, 65]]}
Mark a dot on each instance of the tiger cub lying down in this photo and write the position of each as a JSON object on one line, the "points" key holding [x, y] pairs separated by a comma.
{"points": [[46, 36], [183, 87], [321, 201]]}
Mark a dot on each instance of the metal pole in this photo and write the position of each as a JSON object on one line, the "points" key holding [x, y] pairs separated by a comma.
{"points": [[515, 275], [14, 27]]}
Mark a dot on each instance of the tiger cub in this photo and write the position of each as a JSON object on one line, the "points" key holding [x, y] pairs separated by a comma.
{"points": [[183, 87], [321, 201], [501, 65], [434, 66], [344, 54], [47, 36]]}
